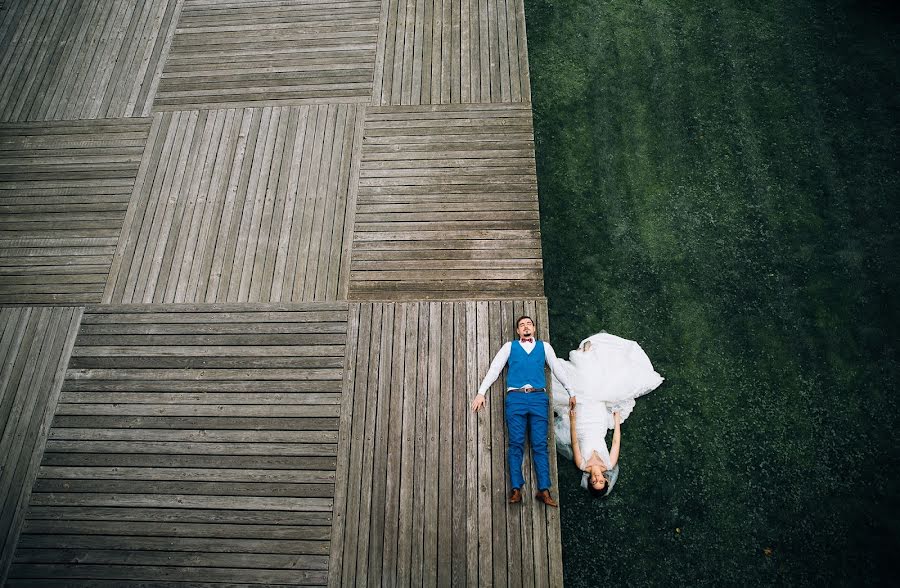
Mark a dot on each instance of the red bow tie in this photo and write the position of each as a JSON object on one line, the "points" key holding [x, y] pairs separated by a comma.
{"points": [[526, 340]]}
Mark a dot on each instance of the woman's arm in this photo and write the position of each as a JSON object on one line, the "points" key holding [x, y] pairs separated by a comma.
{"points": [[617, 442], [576, 450]]}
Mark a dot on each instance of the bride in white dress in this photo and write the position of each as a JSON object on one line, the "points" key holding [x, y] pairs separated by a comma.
{"points": [[609, 373]]}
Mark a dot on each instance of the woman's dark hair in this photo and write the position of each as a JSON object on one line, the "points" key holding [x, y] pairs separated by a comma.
{"points": [[597, 493], [602, 491]]}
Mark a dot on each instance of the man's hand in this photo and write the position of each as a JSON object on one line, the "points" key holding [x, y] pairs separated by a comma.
{"points": [[478, 403], [572, 403]]}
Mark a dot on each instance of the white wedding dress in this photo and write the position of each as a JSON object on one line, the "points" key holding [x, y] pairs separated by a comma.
{"points": [[607, 379]]}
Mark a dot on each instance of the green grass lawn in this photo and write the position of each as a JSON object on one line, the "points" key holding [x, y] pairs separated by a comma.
{"points": [[719, 182]]}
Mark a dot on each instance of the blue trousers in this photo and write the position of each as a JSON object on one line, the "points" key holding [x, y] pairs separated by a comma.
{"points": [[526, 417]]}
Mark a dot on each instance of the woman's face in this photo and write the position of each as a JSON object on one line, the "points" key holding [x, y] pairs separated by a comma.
{"points": [[598, 482]]}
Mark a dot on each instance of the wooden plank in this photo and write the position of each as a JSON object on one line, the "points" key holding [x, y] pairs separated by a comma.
{"points": [[382, 218], [189, 261], [392, 442], [261, 524], [420, 458], [155, 573], [288, 183], [413, 76], [352, 198], [226, 283], [168, 559], [122, 461], [188, 461], [35, 347], [445, 442], [58, 222], [231, 35], [348, 567], [79, 61], [379, 446], [279, 176], [484, 450], [390, 59], [554, 532], [408, 465], [459, 411], [342, 474], [473, 556], [522, 45], [500, 487], [368, 448]]}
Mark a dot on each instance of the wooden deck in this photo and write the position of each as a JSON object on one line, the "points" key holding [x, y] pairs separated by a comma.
{"points": [[241, 205], [64, 190], [447, 204], [228, 54], [194, 443], [422, 481], [67, 59], [302, 228], [451, 51], [34, 348]]}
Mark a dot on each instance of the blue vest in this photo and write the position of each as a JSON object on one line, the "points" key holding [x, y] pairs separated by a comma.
{"points": [[526, 368]]}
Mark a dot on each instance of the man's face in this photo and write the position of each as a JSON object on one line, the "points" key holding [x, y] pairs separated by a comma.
{"points": [[525, 328]]}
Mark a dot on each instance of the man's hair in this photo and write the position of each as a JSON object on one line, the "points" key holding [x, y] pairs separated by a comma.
{"points": [[523, 317]]}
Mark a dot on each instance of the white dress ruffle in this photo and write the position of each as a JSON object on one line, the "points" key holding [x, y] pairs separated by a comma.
{"points": [[607, 379]]}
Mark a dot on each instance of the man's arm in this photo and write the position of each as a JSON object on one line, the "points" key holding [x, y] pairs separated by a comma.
{"points": [[493, 373], [559, 371]]}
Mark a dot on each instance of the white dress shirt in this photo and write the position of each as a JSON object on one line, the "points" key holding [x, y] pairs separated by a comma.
{"points": [[503, 356]]}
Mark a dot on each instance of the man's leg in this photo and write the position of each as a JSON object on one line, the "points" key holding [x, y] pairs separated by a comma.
{"points": [[537, 434], [516, 424]]}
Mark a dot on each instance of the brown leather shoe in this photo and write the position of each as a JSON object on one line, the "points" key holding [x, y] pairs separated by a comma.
{"points": [[515, 496], [544, 496]]}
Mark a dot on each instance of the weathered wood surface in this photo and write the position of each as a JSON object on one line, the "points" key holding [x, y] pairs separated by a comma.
{"points": [[447, 204], [64, 191], [191, 443], [35, 344], [451, 51], [241, 205], [299, 151], [422, 482], [68, 59], [229, 54]]}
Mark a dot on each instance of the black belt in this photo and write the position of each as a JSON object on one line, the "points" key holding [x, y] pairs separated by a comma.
{"points": [[527, 390]]}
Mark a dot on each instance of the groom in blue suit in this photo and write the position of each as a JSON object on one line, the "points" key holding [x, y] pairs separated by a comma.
{"points": [[527, 404]]}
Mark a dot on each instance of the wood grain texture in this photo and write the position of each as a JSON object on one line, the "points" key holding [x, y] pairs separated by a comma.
{"points": [[241, 205], [264, 52], [411, 510], [64, 191], [447, 205], [68, 59], [202, 472], [451, 51], [35, 344]]}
